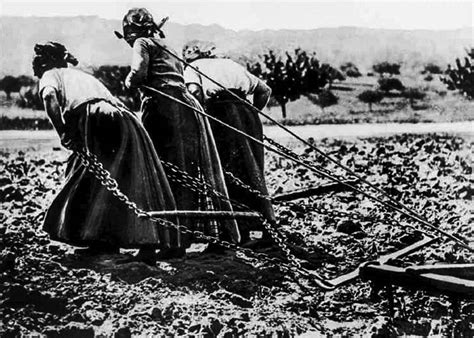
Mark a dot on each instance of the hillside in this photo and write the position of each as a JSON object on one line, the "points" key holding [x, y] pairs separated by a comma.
{"points": [[92, 40]]}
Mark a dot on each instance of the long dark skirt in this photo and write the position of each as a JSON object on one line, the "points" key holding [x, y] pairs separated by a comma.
{"points": [[84, 212], [184, 138], [239, 155]]}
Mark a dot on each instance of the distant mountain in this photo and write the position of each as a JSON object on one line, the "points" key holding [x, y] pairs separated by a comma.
{"points": [[92, 41]]}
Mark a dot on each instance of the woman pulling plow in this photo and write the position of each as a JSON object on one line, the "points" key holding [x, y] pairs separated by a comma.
{"points": [[180, 136], [86, 115], [240, 156]]}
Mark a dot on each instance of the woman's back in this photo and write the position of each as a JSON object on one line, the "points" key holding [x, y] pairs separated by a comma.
{"points": [[74, 87], [152, 65]]}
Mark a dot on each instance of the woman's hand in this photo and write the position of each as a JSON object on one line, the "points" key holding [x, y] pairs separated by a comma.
{"points": [[70, 141], [261, 95], [68, 137]]}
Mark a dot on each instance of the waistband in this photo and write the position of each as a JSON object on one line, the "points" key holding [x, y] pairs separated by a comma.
{"points": [[93, 100], [225, 95]]}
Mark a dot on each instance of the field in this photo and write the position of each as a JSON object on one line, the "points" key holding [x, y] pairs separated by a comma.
{"points": [[439, 105], [46, 288]]}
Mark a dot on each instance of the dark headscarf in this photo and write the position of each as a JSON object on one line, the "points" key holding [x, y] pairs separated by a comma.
{"points": [[138, 22], [51, 55], [197, 49]]}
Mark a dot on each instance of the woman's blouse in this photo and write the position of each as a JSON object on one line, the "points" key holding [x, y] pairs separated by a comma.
{"points": [[74, 87], [224, 71], [153, 66]]}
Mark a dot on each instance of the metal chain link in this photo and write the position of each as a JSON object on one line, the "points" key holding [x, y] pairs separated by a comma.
{"points": [[92, 164], [238, 182], [279, 238], [179, 176]]}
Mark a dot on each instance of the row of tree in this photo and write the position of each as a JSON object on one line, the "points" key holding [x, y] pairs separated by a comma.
{"points": [[303, 75], [297, 74]]}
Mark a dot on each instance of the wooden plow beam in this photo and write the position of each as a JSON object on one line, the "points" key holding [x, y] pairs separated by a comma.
{"points": [[205, 214], [453, 280], [456, 280], [344, 279], [311, 191]]}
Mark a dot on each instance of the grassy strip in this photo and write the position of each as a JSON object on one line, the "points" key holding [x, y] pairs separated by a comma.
{"points": [[20, 123]]}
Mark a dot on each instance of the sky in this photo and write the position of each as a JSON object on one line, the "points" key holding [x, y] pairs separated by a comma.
{"points": [[258, 15]]}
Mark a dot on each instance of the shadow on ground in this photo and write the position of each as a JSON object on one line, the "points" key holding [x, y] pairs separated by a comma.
{"points": [[199, 271]]}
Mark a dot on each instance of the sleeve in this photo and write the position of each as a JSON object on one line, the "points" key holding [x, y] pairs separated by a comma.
{"points": [[191, 76], [49, 79], [140, 62], [253, 82]]}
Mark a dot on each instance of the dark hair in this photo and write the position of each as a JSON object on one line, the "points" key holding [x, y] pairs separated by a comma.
{"points": [[138, 23], [51, 55]]}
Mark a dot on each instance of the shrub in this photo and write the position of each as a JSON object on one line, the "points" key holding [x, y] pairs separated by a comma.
{"points": [[442, 93], [10, 84], [370, 97], [324, 99], [387, 68], [413, 94], [432, 68], [428, 78], [350, 69], [389, 84]]}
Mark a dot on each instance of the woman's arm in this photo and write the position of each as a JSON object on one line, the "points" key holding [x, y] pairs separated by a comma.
{"points": [[53, 109], [261, 95], [139, 67]]}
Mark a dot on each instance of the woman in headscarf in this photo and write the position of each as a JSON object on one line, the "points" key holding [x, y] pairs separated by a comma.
{"points": [[86, 115], [180, 135], [239, 155]]}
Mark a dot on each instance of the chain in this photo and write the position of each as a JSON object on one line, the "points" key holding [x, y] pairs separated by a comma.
{"points": [[192, 183], [238, 182], [179, 176], [92, 164], [391, 203], [277, 236]]}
